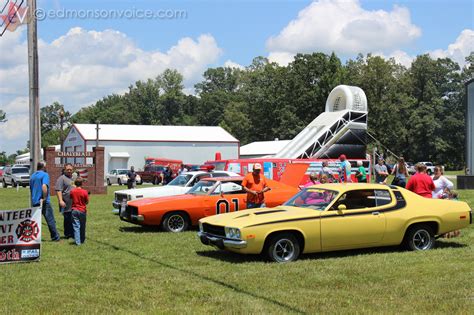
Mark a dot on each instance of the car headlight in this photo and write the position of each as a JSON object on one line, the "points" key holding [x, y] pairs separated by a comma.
{"points": [[232, 233]]}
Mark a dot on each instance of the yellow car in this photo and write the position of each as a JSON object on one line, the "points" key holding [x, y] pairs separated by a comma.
{"points": [[332, 217]]}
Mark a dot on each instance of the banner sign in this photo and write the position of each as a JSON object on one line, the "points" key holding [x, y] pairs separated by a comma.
{"points": [[20, 235]]}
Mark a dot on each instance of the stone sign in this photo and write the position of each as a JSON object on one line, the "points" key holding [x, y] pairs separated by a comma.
{"points": [[89, 165]]}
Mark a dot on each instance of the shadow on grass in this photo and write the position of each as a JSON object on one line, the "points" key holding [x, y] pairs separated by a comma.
{"points": [[229, 257], [147, 229], [287, 307], [239, 258], [139, 229]]}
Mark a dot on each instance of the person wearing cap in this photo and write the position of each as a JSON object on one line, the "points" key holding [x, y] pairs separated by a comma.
{"points": [[255, 184], [345, 170], [381, 172]]}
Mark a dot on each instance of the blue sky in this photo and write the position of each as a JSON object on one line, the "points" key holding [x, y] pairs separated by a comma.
{"points": [[82, 60]]}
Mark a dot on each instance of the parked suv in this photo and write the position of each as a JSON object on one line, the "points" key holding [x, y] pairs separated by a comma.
{"points": [[16, 175]]}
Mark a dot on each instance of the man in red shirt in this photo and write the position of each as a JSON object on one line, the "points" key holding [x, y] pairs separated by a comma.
{"points": [[255, 185], [80, 198], [421, 183]]}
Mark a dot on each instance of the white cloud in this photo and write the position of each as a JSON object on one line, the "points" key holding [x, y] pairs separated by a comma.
{"points": [[15, 128], [458, 50], [282, 58], [82, 66], [345, 27], [231, 64]]}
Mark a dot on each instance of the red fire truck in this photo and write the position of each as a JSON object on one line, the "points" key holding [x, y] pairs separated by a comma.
{"points": [[273, 167]]}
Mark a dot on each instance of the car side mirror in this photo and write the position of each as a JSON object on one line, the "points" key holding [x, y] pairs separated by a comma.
{"points": [[341, 208]]}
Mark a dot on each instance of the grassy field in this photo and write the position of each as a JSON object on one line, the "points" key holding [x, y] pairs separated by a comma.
{"points": [[128, 269]]}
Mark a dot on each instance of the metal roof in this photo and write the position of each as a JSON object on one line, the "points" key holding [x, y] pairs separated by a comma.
{"points": [[155, 133]]}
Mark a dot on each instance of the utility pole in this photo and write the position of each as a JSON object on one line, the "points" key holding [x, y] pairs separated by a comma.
{"points": [[35, 131], [97, 128]]}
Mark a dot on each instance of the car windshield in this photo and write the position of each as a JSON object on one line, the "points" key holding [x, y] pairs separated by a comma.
{"points": [[180, 180], [202, 188], [19, 170], [122, 172], [314, 198]]}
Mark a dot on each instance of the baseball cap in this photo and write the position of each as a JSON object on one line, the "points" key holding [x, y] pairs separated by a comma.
{"points": [[257, 166], [342, 157]]}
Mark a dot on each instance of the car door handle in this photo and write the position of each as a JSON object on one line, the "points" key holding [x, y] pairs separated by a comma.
{"points": [[375, 213]]}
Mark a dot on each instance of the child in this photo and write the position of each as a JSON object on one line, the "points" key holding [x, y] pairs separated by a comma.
{"points": [[80, 199]]}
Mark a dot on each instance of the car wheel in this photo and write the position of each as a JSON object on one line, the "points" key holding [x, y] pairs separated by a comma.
{"points": [[108, 182], [5, 184], [420, 237], [175, 222], [283, 247], [429, 172], [13, 183], [140, 182], [155, 181], [119, 182]]}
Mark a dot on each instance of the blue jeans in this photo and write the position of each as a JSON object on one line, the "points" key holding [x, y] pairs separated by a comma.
{"points": [[79, 226], [68, 231], [251, 205], [48, 214]]}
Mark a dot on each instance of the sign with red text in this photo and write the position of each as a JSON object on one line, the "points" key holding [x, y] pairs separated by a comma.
{"points": [[20, 235]]}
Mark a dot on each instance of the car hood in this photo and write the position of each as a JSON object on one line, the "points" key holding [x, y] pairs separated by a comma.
{"points": [[164, 201], [251, 217], [152, 192]]}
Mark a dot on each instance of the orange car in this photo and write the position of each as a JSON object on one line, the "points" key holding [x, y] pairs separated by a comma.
{"points": [[208, 197]]}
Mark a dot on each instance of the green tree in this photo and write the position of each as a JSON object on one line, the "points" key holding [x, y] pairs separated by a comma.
{"points": [[3, 116], [52, 125]]}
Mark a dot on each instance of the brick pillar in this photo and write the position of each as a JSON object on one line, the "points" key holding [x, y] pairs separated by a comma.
{"points": [[100, 187], [54, 172]]}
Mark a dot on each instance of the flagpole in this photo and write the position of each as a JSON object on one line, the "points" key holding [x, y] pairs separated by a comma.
{"points": [[34, 111]]}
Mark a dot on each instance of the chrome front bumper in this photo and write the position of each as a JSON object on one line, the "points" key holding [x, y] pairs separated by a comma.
{"points": [[220, 242]]}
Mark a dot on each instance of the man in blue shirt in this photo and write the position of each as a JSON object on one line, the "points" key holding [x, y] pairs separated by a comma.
{"points": [[39, 188], [345, 170]]}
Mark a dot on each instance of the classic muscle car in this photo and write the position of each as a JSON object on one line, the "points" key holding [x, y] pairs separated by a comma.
{"points": [[178, 186], [209, 196], [333, 217]]}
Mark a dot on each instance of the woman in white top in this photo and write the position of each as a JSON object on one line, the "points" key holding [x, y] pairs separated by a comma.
{"points": [[442, 184]]}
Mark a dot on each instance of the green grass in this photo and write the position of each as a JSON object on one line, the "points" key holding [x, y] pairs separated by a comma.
{"points": [[128, 269]]}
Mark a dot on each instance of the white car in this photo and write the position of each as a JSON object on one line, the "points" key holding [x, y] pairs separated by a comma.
{"points": [[429, 167], [119, 176], [178, 186]]}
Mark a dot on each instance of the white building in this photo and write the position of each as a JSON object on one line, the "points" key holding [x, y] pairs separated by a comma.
{"points": [[127, 145], [24, 159], [261, 149]]}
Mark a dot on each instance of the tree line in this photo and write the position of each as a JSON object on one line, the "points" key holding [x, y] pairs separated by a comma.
{"points": [[417, 112]]}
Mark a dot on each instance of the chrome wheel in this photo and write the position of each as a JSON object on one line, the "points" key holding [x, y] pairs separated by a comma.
{"points": [[284, 250], [422, 240], [175, 222], [420, 237], [282, 247]]}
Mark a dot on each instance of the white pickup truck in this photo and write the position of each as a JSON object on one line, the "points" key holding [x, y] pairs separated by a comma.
{"points": [[178, 186]]}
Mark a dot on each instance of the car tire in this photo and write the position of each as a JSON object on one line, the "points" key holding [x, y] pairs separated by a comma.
{"points": [[282, 248], [4, 184], [429, 172], [140, 182], [175, 222], [119, 182], [419, 237], [108, 182], [13, 183], [155, 181]]}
